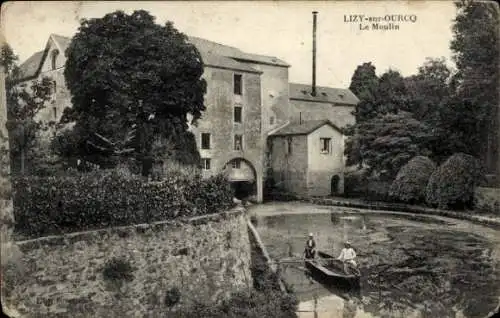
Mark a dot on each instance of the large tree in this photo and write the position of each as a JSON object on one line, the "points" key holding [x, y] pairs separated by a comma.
{"points": [[392, 93], [389, 141], [364, 84], [378, 96], [429, 88], [476, 49], [24, 102], [126, 73]]}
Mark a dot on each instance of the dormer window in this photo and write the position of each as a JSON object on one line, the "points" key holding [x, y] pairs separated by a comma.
{"points": [[237, 84], [55, 53]]}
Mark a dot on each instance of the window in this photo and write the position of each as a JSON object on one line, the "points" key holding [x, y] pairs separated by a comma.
{"points": [[325, 145], [288, 145], [237, 114], [55, 53], [205, 163], [271, 120], [238, 142], [205, 141], [55, 112], [54, 87], [238, 84], [236, 164]]}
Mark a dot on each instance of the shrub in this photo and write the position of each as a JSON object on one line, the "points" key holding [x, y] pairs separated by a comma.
{"points": [[103, 198], [487, 200], [355, 183], [118, 270], [359, 184], [172, 297], [377, 190], [452, 184], [411, 181]]}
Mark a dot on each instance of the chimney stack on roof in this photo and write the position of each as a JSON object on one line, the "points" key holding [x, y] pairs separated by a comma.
{"points": [[313, 92]]}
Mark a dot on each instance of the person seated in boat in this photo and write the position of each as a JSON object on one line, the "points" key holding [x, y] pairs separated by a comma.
{"points": [[348, 256], [310, 250]]}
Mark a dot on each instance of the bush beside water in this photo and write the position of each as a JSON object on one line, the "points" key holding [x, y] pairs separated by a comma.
{"points": [[411, 180], [103, 198], [452, 184], [358, 184]]}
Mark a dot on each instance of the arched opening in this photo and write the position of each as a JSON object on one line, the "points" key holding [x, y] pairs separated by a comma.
{"points": [[242, 176], [334, 185]]}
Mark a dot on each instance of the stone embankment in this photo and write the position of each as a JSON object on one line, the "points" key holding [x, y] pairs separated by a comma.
{"points": [[74, 274], [490, 220]]}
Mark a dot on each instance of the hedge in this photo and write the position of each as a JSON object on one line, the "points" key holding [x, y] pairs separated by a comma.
{"points": [[103, 198], [452, 184], [411, 181]]}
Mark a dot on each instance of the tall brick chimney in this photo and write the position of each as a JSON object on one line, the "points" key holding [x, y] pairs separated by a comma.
{"points": [[313, 91]]}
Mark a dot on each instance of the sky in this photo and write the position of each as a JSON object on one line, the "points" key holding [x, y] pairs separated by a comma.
{"points": [[277, 28]]}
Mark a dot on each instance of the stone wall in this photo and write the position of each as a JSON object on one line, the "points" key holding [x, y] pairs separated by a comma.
{"points": [[341, 116], [218, 121], [289, 163], [204, 258]]}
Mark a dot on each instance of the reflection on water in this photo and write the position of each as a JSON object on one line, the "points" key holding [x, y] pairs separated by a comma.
{"points": [[407, 263]]}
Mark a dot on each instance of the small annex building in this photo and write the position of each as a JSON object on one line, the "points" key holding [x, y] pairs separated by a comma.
{"points": [[307, 158]]}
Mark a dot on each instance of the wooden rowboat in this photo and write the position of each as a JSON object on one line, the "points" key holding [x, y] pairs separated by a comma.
{"points": [[326, 269]]}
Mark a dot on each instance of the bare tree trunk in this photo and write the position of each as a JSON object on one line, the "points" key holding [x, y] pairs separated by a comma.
{"points": [[8, 246]]}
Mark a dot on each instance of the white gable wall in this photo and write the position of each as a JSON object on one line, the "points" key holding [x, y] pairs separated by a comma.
{"points": [[323, 166], [60, 60]]}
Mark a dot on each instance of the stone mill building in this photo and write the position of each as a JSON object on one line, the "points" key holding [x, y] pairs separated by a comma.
{"points": [[257, 124]]}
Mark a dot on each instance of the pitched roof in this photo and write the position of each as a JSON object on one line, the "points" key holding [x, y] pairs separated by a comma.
{"points": [[226, 63], [303, 128], [341, 96], [235, 53], [30, 67], [213, 54], [61, 41]]}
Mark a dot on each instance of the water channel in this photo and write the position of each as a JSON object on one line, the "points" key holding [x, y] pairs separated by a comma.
{"points": [[434, 266]]}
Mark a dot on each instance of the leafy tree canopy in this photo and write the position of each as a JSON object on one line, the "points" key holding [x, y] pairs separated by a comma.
{"points": [[429, 88], [476, 54], [123, 69], [389, 141], [364, 81], [24, 101]]}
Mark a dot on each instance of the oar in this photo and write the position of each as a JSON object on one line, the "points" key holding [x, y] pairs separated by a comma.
{"points": [[301, 260], [304, 259]]}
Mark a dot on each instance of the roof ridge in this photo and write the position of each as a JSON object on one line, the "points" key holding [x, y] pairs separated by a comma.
{"points": [[203, 39], [320, 86]]}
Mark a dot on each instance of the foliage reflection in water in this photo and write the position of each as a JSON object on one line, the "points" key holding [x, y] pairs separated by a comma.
{"points": [[407, 262]]}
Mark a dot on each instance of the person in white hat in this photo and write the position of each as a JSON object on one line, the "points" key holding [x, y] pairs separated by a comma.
{"points": [[348, 256], [310, 250]]}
